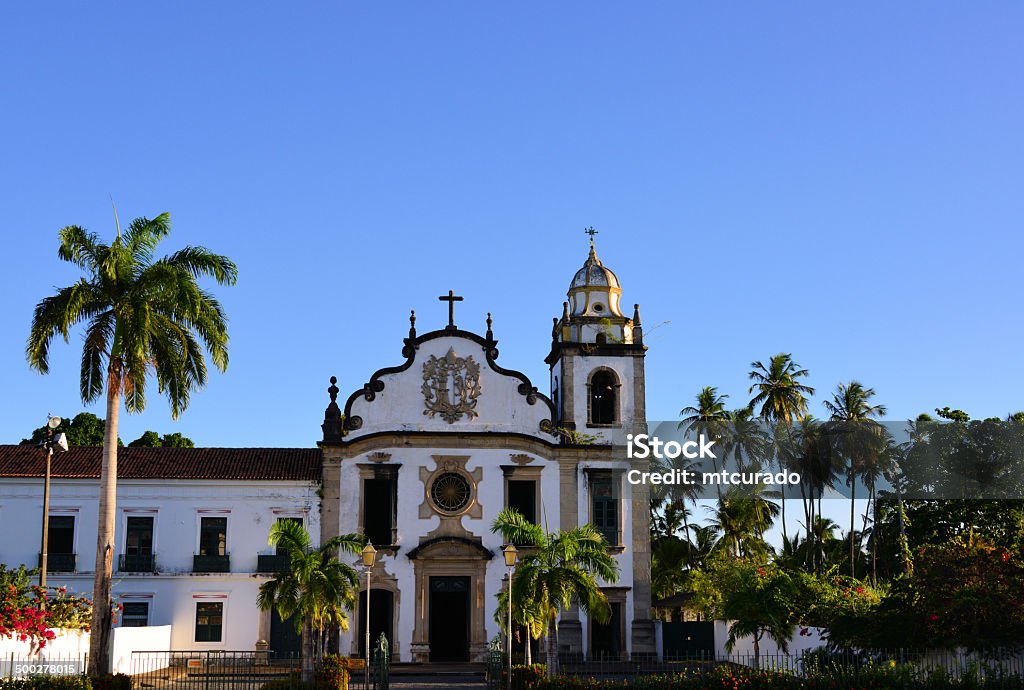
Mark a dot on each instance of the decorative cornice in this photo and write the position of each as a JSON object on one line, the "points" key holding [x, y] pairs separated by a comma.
{"points": [[475, 547]]}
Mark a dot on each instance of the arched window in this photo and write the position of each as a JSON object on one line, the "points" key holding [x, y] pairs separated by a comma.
{"points": [[604, 403]]}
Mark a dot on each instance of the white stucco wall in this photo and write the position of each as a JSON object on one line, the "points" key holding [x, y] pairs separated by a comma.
{"points": [[251, 508]]}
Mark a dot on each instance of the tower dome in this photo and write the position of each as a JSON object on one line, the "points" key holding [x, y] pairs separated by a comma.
{"points": [[595, 290], [594, 273]]}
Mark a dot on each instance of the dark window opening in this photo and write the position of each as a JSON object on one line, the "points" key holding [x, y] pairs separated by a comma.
{"points": [[135, 614], [138, 546], [605, 509], [603, 396], [138, 540], [522, 496], [213, 536], [281, 551], [60, 539], [209, 621], [379, 505]]}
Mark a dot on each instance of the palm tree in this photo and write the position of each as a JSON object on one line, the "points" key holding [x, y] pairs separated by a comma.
{"points": [[742, 516], [779, 393], [142, 316], [859, 436], [709, 417], [317, 589], [806, 449], [556, 571], [783, 399]]}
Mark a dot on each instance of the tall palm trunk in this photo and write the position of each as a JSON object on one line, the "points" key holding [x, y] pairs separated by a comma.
{"points": [[527, 652], [308, 651], [552, 645], [99, 639], [853, 518], [904, 547]]}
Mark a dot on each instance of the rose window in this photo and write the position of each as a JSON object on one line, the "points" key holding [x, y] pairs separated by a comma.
{"points": [[450, 492]]}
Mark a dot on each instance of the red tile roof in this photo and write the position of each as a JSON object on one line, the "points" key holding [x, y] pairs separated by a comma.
{"points": [[266, 464]]}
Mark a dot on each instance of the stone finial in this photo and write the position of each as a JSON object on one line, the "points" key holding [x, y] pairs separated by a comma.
{"points": [[490, 334], [565, 312], [332, 426], [638, 330], [412, 323]]}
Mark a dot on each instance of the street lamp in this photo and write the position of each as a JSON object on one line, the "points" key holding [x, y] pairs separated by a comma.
{"points": [[59, 444], [369, 556], [511, 553]]}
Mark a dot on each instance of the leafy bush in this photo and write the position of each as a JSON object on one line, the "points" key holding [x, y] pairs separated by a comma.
{"points": [[47, 683], [528, 677], [118, 681], [871, 677], [29, 612], [332, 672]]}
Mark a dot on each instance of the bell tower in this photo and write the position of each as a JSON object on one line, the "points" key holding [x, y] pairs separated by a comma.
{"points": [[597, 358], [597, 387]]}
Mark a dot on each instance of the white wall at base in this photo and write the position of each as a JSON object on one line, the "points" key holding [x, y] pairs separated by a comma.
{"points": [[70, 646], [147, 646], [744, 646]]}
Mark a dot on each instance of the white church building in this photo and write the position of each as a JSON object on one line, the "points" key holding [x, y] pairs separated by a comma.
{"points": [[420, 459]]}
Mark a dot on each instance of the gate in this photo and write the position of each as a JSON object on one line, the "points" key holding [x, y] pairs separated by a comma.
{"points": [[382, 664], [495, 665]]}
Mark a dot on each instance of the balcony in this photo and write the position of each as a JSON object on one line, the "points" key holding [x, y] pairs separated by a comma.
{"points": [[272, 563], [211, 564], [137, 563], [59, 562]]}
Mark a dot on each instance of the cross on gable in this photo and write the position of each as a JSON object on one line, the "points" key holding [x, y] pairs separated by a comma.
{"points": [[451, 298]]}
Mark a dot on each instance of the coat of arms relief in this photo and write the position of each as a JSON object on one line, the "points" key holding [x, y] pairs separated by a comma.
{"points": [[451, 386]]}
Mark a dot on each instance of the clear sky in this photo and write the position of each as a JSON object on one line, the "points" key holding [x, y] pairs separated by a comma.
{"points": [[839, 182]]}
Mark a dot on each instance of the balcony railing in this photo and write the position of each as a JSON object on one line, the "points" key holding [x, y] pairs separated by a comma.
{"points": [[211, 564], [272, 563], [59, 562], [137, 563]]}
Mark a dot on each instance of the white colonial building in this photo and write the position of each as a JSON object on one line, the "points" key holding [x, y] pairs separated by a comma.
{"points": [[191, 532], [420, 459]]}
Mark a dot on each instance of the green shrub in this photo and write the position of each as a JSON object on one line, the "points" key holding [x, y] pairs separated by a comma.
{"points": [[47, 683], [726, 677], [118, 681], [528, 677], [332, 672]]}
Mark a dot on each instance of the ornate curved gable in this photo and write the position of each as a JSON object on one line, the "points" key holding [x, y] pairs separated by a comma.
{"points": [[449, 382]]}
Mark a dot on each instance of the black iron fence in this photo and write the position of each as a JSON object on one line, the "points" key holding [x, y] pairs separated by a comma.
{"points": [[248, 670]]}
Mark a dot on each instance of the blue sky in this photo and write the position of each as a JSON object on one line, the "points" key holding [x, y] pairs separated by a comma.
{"points": [[843, 183]]}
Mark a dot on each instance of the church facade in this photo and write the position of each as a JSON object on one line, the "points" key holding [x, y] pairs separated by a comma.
{"points": [[424, 456]]}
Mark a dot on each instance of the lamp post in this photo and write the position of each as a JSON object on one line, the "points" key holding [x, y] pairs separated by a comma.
{"points": [[58, 443], [511, 553], [369, 556]]}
